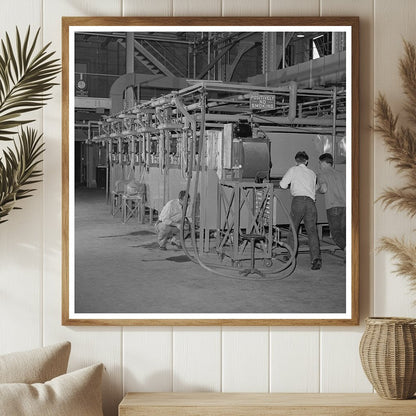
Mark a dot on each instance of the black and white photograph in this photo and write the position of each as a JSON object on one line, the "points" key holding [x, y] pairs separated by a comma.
{"points": [[210, 174]]}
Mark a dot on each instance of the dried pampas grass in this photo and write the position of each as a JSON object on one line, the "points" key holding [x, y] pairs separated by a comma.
{"points": [[404, 253], [401, 143], [402, 199]]}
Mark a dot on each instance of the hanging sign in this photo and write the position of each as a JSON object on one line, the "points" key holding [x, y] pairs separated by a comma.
{"points": [[262, 102]]}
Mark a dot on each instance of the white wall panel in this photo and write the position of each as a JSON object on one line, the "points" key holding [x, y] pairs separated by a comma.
{"points": [[346, 373], [196, 359], [20, 13], [392, 292], [245, 8], [89, 344], [394, 21], [294, 8], [188, 7], [82, 8], [147, 7], [21, 237], [341, 370], [147, 359], [294, 360], [245, 359], [21, 276]]}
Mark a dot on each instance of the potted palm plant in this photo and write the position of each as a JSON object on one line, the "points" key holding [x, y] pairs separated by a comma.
{"points": [[388, 345], [26, 78]]}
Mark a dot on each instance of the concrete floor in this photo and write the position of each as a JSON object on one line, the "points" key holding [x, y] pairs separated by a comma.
{"points": [[119, 269]]}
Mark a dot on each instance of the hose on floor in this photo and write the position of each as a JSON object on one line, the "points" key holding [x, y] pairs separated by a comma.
{"points": [[279, 273]]}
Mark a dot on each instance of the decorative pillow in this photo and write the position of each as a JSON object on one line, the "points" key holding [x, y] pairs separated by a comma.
{"points": [[73, 394], [35, 366]]}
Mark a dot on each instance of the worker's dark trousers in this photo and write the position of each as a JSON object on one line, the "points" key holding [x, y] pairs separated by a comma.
{"points": [[336, 222], [304, 208]]}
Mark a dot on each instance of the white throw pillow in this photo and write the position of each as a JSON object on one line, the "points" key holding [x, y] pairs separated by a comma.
{"points": [[73, 394], [35, 366]]}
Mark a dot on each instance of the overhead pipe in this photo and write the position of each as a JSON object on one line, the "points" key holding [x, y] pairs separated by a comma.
{"points": [[303, 73], [317, 121], [125, 81], [191, 119]]}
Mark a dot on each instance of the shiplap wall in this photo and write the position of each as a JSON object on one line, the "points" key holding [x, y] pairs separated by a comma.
{"points": [[246, 359]]}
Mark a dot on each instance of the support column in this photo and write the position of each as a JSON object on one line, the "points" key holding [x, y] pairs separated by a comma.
{"points": [[293, 92], [130, 67], [269, 52], [338, 42]]}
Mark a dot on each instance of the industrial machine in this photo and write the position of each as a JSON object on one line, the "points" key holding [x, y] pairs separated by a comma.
{"points": [[213, 140]]}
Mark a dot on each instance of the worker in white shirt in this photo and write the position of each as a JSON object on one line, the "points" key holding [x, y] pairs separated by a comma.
{"points": [[170, 221], [303, 186]]}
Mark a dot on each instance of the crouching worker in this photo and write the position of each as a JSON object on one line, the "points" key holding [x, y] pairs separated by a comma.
{"points": [[170, 222]]}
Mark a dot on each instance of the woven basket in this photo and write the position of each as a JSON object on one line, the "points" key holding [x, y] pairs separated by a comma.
{"points": [[388, 356]]}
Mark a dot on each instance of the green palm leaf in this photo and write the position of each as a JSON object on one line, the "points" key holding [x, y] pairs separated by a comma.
{"points": [[19, 169], [26, 78]]}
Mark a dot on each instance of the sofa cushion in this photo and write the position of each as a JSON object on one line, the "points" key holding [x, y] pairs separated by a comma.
{"points": [[35, 366], [73, 394]]}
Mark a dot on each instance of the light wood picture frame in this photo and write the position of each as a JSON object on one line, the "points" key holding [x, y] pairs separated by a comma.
{"points": [[236, 266]]}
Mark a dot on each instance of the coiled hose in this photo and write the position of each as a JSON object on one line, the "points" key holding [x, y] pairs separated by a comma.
{"points": [[220, 269]]}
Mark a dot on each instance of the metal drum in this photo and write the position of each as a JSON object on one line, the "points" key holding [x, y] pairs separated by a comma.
{"points": [[250, 160], [254, 155]]}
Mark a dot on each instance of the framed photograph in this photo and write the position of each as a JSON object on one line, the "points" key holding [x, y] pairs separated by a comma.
{"points": [[210, 171]]}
